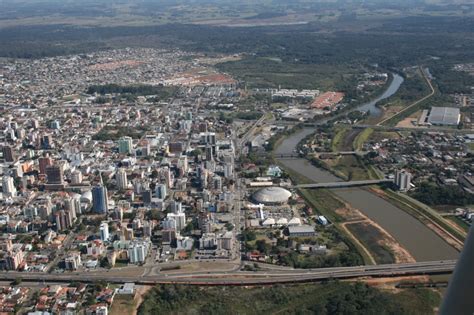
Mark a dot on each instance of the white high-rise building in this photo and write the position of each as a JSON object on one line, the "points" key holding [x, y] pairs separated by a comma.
{"points": [[8, 187], [169, 224], [137, 251], [77, 204], [104, 231], [180, 219], [403, 180], [76, 177], [228, 170], [121, 178]]}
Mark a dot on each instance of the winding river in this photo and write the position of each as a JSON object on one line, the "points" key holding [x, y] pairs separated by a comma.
{"points": [[422, 243]]}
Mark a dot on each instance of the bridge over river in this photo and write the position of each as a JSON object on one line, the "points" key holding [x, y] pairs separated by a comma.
{"points": [[345, 184]]}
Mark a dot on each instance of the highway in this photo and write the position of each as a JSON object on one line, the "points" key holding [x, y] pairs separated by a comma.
{"points": [[247, 278]]}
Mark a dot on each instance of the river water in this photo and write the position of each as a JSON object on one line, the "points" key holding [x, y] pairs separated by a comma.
{"points": [[422, 243], [392, 89]]}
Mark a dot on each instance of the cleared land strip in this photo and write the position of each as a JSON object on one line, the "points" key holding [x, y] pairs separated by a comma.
{"points": [[416, 102]]}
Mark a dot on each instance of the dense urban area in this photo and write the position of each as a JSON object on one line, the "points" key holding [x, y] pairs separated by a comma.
{"points": [[193, 175]]}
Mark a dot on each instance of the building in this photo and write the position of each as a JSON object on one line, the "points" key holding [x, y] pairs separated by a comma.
{"points": [[301, 231], [104, 231], [44, 162], [160, 191], [72, 261], [403, 180], [225, 241], [125, 145], [208, 241], [147, 197], [121, 178], [8, 187], [55, 175], [8, 154], [179, 218], [168, 236], [100, 199], [176, 147], [76, 178], [60, 218], [138, 251], [271, 196], [447, 116], [14, 259]]}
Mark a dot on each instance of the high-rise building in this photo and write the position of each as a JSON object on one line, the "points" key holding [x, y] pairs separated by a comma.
{"points": [[35, 124], [8, 154], [228, 170], [8, 186], [55, 174], [100, 199], [76, 201], [403, 180], [146, 197], [176, 206], [176, 147], [121, 178], [61, 220], [47, 142], [44, 208], [54, 124], [44, 162], [125, 145], [160, 191], [180, 219], [76, 177], [104, 231], [137, 252], [70, 205]]}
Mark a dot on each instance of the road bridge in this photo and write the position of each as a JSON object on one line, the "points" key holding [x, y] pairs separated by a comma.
{"points": [[344, 184]]}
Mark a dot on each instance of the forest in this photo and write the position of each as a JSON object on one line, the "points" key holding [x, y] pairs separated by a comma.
{"points": [[325, 298]]}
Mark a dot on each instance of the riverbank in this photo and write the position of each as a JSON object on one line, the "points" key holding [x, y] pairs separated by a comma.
{"points": [[421, 242]]}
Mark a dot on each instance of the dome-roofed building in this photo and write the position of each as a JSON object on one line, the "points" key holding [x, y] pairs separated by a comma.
{"points": [[272, 195]]}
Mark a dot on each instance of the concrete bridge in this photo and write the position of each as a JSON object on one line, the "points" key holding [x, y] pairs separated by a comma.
{"points": [[336, 153], [344, 184]]}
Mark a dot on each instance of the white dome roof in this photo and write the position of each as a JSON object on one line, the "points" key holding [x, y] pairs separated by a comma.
{"points": [[87, 196], [272, 195]]}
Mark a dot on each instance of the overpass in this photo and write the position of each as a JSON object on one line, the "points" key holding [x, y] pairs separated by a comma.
{"points": [[245, 278], [344, 184]]}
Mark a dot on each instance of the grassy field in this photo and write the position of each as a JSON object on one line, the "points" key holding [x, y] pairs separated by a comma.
{"points": [[370, 237], [324, 298], [323, 202], [123, 305], [270, 72], [362, 138], [462, 224], [339, 139], [350, 167]]}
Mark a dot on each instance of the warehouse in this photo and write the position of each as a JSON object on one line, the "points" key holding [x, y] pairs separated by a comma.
{"points": [[447, 116]]}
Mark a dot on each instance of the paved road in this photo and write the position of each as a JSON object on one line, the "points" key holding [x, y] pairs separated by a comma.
{"points": [[246, 278]]}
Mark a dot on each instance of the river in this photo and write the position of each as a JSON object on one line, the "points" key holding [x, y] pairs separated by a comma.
{"points": [[392, 89], [422, 243]]}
